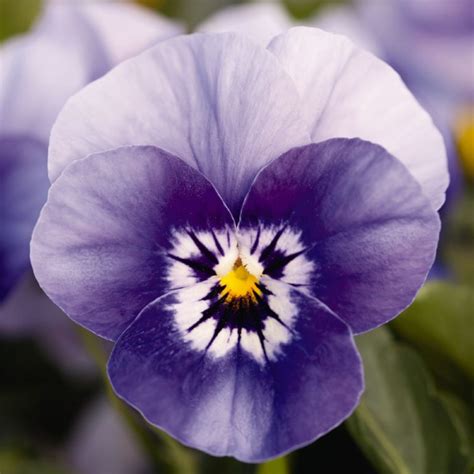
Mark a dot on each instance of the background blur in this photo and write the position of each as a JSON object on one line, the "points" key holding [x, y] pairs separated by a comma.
{"points": [[57, 413]]}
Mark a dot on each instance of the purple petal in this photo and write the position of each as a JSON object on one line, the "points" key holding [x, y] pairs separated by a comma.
{"points": [[227, 399], [443, 32], [347, 92], [100, 249], [23, 189], [367, 227], [219, 102]]}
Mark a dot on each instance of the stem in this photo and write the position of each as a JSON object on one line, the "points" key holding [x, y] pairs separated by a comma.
{"points": [[166, 454]]}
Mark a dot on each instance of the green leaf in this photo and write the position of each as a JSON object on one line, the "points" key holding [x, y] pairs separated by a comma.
{"points": [[439, 324], [277, 466], [462, 415], [16, 463], [401, 424], [17, 16]]}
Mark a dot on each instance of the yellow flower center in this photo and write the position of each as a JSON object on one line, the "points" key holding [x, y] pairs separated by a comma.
{"points": [[240, 284]]}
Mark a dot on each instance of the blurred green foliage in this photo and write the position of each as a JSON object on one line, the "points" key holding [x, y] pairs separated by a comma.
{"points": [[277, 466], [16, 16], [438, 324], [401, 423]]}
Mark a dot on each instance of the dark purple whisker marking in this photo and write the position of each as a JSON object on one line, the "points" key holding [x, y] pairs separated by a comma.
{"points": [[209, 312], [256, 241], [202, 248], [270, 248], [197, 266], [282, 261], [218, 244], [269, 311]]}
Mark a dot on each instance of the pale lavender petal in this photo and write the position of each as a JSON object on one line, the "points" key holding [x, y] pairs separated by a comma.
{"points": [[219, 102], [348, 92]]}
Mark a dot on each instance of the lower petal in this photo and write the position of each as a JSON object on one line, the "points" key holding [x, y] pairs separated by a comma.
{"points": [[235, 393]]}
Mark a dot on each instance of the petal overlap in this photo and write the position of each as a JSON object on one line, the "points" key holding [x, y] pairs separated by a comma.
{"points": [[100, 248], [219, 102], [348, 92], [364, 222]]}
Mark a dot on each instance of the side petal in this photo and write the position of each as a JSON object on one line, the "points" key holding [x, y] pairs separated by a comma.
{"points": [[226, 400], [219, 102], [348, 92], [365, 224], [259, 21], [100, 248], [23, 189]]}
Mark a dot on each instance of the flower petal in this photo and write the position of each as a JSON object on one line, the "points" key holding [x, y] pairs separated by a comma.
{"points": [[259, 21], [369, 231], [55, 60], [443, 32], [348, 92], [72, 44], [219, 102], [100, 247], [225, 400], [126, 29], [23, 189]]}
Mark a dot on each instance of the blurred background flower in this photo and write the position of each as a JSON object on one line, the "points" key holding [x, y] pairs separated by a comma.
{"points": [[417, 413]]}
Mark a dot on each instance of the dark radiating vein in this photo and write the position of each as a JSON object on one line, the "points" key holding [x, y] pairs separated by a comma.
{"points": [[202, 248], [200, 267], [261, 338], [209, 312], [269, 311], [282, 261], [257, 240], [222, 321], [218, 244], [213, 293], [270, 248]]}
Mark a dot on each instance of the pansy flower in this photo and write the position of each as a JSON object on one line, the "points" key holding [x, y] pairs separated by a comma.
{"points": [[231, 215], [71, 44]]}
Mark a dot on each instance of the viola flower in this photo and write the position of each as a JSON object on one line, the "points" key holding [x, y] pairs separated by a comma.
{"points": [[230, 215], [70, 45]]}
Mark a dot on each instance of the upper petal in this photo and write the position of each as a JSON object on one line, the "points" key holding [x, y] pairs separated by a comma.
{"points": [[348, 92], [101, 247], [367, 232], [23, 189], [221, 103], [226, 398]]}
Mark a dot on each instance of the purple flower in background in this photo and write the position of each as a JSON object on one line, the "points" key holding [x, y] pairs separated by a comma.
{"points": [[71, 45], [440, 69], [230, 216]]}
